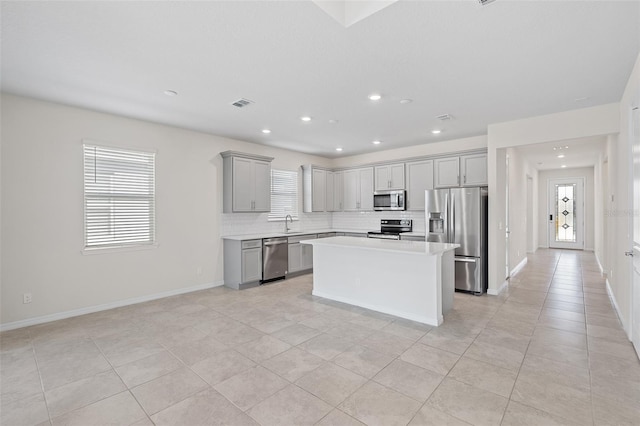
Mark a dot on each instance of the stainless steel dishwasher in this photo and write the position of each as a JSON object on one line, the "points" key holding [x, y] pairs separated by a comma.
{"points": [[275, 258]]}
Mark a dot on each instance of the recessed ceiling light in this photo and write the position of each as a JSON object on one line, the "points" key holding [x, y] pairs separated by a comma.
{"points": [[305, 118], [171, 93], [563, 166], [266, 131], [406, 101], [376, 142], [436, 131], [561, 156], [338, 149], [375, 96]]}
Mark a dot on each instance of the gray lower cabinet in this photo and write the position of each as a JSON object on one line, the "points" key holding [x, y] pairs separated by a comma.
{"points": [[300, 255], [355, 234], [242, 263], [412, 237]]}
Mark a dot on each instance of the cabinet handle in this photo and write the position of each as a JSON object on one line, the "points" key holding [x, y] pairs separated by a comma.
{"points": [[464, 178]]}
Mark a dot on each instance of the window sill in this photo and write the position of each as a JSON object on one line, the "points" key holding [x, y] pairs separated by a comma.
{"points": [[118, 249]]}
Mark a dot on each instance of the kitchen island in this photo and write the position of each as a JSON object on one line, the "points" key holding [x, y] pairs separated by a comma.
{"points": [[407, 279]]}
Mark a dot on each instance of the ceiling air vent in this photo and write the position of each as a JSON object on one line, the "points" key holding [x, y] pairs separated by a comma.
{"points": [[241, 103], [483, 2], [444, 117]]}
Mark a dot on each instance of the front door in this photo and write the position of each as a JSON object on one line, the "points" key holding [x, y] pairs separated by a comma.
{"points": [[566, 213]]}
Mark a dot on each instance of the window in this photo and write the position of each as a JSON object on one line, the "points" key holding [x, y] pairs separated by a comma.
{"points": [[119, 197], [284, 194]]}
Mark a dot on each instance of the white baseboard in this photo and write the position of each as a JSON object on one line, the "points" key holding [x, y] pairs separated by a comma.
{"points": [[519, 266], [105, 306], [503, 286], [626, 329], [602, 272]]}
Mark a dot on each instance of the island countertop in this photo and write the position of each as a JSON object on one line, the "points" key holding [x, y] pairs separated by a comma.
{"points": [[411, 247]]}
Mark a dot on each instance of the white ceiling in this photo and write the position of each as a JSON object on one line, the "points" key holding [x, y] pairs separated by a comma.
{"points": [[582, 152], [482, 64]]}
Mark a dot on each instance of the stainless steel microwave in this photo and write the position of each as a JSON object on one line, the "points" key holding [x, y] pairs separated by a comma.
{"points": [[389, 200]]}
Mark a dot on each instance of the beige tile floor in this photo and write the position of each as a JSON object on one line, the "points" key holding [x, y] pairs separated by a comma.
{"points": [[548, 351]]}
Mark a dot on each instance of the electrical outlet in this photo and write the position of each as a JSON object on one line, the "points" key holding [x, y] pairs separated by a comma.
{"points": [[26, 298]]}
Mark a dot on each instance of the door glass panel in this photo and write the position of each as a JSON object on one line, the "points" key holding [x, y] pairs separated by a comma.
{"points": [[565, 213]]}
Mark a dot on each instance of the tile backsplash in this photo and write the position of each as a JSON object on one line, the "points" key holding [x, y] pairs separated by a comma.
{"points": [[369, 221], [256, 223]]}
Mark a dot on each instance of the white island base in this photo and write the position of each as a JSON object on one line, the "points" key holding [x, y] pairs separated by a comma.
{"points": [[407, 279]]}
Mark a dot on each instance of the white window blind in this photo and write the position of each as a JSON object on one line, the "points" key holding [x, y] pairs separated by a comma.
{"points": [[119, 197], [284, 194]]}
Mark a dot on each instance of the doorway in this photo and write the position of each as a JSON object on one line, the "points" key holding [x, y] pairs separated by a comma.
{"points": [[635, 227], [506, 221], [566, 213], [531, 246]]}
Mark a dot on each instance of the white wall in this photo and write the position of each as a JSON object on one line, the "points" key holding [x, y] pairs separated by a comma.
{"points": [[621, 207], [519, 217], [587, 174], [42, 209]]}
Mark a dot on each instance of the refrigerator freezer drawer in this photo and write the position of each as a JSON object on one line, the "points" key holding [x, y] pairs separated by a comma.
{"points": [[470, 274]]}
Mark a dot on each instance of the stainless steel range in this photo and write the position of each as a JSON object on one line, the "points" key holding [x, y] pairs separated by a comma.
{"points": [[390, 229]]}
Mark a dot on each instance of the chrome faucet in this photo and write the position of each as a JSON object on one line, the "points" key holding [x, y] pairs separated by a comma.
{"points": [[286, 223]]}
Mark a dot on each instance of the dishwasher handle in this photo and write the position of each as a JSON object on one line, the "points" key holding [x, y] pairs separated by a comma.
{"points": [[273, 241]]}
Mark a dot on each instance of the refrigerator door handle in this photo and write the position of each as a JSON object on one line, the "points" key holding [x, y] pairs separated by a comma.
{"points": [[453, 220], [446, 217], [466, 259]]}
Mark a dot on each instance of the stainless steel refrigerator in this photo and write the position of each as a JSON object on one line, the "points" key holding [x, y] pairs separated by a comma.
{"points": [[459, 215]]}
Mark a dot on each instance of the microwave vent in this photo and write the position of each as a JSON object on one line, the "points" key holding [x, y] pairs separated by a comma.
{"points": [[444, 117]]}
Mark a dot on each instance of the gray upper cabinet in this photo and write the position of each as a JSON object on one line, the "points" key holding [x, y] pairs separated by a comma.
{"points": [[317, 189], [329, 188], [246, 182], [389, 176], [358, 189], [338, 191], [474, 169], [446, 172], [419, 179]]}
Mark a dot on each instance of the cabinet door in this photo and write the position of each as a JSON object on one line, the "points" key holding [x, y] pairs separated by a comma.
{"points": [[419, 179], [262, 186], [366, 189], [474, 169], [318, 192], [447, 172], [396, 176], [295, 257], [243, 184], [383, 178], [307, 256], [338, 190], [251, 265], [351, 190], [329, 198]]}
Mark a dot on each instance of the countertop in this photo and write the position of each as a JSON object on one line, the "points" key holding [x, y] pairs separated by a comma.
{"points": [[292, 233], [412, 247]]}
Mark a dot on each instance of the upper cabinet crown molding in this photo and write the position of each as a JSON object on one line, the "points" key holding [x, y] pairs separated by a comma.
{"points": [[226, 154]]}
